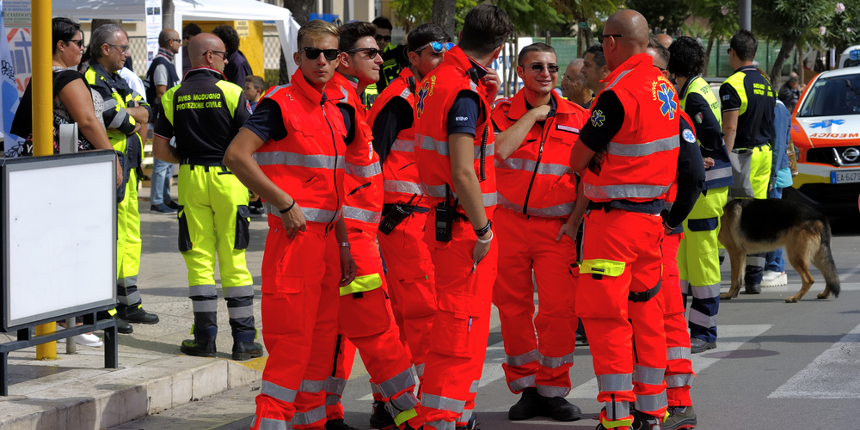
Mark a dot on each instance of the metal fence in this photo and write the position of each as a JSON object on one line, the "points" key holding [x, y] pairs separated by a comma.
{"points": [[137, 48]]}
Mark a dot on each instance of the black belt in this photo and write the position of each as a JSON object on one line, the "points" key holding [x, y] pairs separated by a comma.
{"points": [[388, 206], [208, 162], [644, 296], [653, 207]]}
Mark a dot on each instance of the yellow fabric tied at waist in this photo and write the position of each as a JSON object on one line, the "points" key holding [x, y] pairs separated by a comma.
{"points": [[362, 284], [600, 266]]}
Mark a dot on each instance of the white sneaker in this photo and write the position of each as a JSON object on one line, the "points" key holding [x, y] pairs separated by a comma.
{"points": [[770, 275], [88, 340], [779, 279]]}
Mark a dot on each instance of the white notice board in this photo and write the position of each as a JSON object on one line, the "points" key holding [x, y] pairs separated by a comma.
{"points": [[59, 247]]}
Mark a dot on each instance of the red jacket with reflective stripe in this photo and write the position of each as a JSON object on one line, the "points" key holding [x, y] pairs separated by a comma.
{"points": [[536, 179], [362, 207], [399, 171], [436, 95], [640, 162], [309, 163]]}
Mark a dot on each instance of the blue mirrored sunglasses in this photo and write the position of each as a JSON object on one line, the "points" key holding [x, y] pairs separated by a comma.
{"points": [[437, 46]]}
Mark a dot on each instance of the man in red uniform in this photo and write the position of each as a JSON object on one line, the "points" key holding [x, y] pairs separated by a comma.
{"points": [[410, 269], [536, 194], [455, 148], [291, 153], [365, 317], [634, 124]]}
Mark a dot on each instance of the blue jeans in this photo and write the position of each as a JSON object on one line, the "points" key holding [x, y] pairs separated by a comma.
{"points": [[159, 191], [773, 260]]}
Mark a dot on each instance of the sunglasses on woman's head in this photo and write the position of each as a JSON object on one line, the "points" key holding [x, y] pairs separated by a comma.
{"points": [[314, 53]]}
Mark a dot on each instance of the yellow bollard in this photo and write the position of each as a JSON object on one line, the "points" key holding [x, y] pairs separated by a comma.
{"points": [[43, 119]]}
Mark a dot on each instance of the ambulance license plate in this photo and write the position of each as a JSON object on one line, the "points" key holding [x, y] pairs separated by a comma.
{"points": [[844, 177]]}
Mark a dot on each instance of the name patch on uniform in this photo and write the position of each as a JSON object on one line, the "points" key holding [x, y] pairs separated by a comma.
{"points": [[688, 136], [461, 118], [567, 128]]}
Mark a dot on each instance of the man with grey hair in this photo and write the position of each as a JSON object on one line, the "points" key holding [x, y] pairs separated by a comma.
{"points": [[789, 93], [573, 85], [125, 116]]}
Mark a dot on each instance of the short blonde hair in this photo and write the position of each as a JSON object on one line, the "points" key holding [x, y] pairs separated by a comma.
{"points": [[316, 30]]}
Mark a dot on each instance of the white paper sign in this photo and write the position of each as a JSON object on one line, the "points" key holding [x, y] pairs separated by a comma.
{"points": [[153, 28]]}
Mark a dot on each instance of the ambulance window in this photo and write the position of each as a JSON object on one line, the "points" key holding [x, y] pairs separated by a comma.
{"points": [[838, 95]]}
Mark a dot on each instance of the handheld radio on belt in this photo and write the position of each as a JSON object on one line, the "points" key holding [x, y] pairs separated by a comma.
{"points": [[395, 215]]}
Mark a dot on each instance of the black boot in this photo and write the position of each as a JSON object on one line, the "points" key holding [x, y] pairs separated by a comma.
{"points": [[136, 314], [643, 421], [247, 350], [122, 326], [560, 409], [580, 334], [338, 425], [700, 345], [199, 347], [531, 404], [471, 425], [381, 418], [752, 288]]}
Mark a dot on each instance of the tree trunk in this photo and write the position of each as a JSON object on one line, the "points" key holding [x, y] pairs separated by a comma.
{"points": [[167, 16], [800, 63], [708, 54], [784, 50], [301, 10], [443, 14]]}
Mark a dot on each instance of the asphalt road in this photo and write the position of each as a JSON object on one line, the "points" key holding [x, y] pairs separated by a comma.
{"points": [[777, 366]]}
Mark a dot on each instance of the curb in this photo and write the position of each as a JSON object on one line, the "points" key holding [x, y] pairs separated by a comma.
{"points": [[123, 395]]}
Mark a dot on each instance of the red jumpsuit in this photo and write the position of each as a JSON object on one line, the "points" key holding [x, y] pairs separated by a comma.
{"points": [[301, 275], [410, 269], [365, 317], [458, 338], [621, 268], [537, 192]]}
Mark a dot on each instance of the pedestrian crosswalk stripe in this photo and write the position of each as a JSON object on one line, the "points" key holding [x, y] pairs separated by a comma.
{"points": [[731, 337], [832, 375]]}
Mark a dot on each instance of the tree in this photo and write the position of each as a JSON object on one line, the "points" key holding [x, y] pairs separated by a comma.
{"points": [[527, 14], [722, 17], [443, 14], [786, 21], [841, 27], [410, 13], [668, 15], [301, 10], [582, 14]]}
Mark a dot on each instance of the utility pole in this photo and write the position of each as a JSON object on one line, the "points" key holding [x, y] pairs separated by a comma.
{"points": [[745, 15]]}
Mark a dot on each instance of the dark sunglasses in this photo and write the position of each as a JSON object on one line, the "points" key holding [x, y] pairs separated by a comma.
{"points": [[437, 47], [223, 54], [371, 52], [729, 51], [176, 40], [79, 42], [314, 53], [538, 67], [600, 37], [381, 38]]}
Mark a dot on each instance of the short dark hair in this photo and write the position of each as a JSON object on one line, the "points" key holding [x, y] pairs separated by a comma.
{"points": [[351, 32], [744, 44], [165, 37], [191, 30], [654, 43], [383, 23], [424, 34], [686, 57], [229, 36], [534, 47], [63, 29], [257, 82], [485, 28], [597, 51]]}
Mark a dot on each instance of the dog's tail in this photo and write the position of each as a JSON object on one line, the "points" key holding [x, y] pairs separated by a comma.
{"points": [[824, 260]]}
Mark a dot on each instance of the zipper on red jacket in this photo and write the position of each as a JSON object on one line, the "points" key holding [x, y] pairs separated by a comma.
{"points": [[334, 171], [547, 127]]}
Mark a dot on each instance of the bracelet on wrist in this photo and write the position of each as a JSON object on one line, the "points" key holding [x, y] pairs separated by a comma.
{"points": [[482, 231], [487, 240], [345, 245], [288, 207]]}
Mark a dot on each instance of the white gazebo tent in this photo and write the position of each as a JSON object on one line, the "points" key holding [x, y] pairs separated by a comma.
{"points": [[192, 10]]}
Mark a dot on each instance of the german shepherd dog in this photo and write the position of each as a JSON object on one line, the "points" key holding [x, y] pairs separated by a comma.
{"points": [[750, 226]]}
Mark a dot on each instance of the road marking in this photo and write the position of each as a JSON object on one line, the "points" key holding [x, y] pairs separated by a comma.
{"points": [[740, 334], [816, 288], [832, 375]]}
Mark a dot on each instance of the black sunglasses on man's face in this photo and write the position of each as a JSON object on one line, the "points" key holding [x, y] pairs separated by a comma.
{"points": [[314, 53]]}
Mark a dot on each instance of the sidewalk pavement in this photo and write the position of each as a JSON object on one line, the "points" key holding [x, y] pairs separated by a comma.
{"points": [[77, 392]]}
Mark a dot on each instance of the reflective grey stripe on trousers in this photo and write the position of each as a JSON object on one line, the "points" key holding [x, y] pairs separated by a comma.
{"points": [[441, 147], [281, 393], [129, 299], [311, 386], [359, 214], [272, 424], [406, 187], [284, 158], [309, 417], [204, 290], [523, 359], [651, 403], [522, 383], [419, 369], [404, 402], [648, 375], [680, 380], [677, 353], [311, 214], [698, 318], [332, 399], [128, 281], [529, 166], [705, 291], [466, 416], [363, 171], [474, 387], [615, 382], [490, 199], [440, 425], [210, 305], [548, 212], [624, 191], [644, 149], [243, 291], [240, 312], [617, 410], [442, 403], [401, 381], [548, 391], [755, 260], [334, 385], [556, 362]]}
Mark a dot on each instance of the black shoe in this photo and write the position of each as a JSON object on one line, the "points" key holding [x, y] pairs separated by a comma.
{"points": [[680, 417], [247, 350], [698, 345], [198, 347], [136, 314], [643, 421], [122, 326], [173, 205], [751, 288], [472, 425], [162, 209], [338, 425], [381, 418], [530, 405], [580, 334], [560, 409]]}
